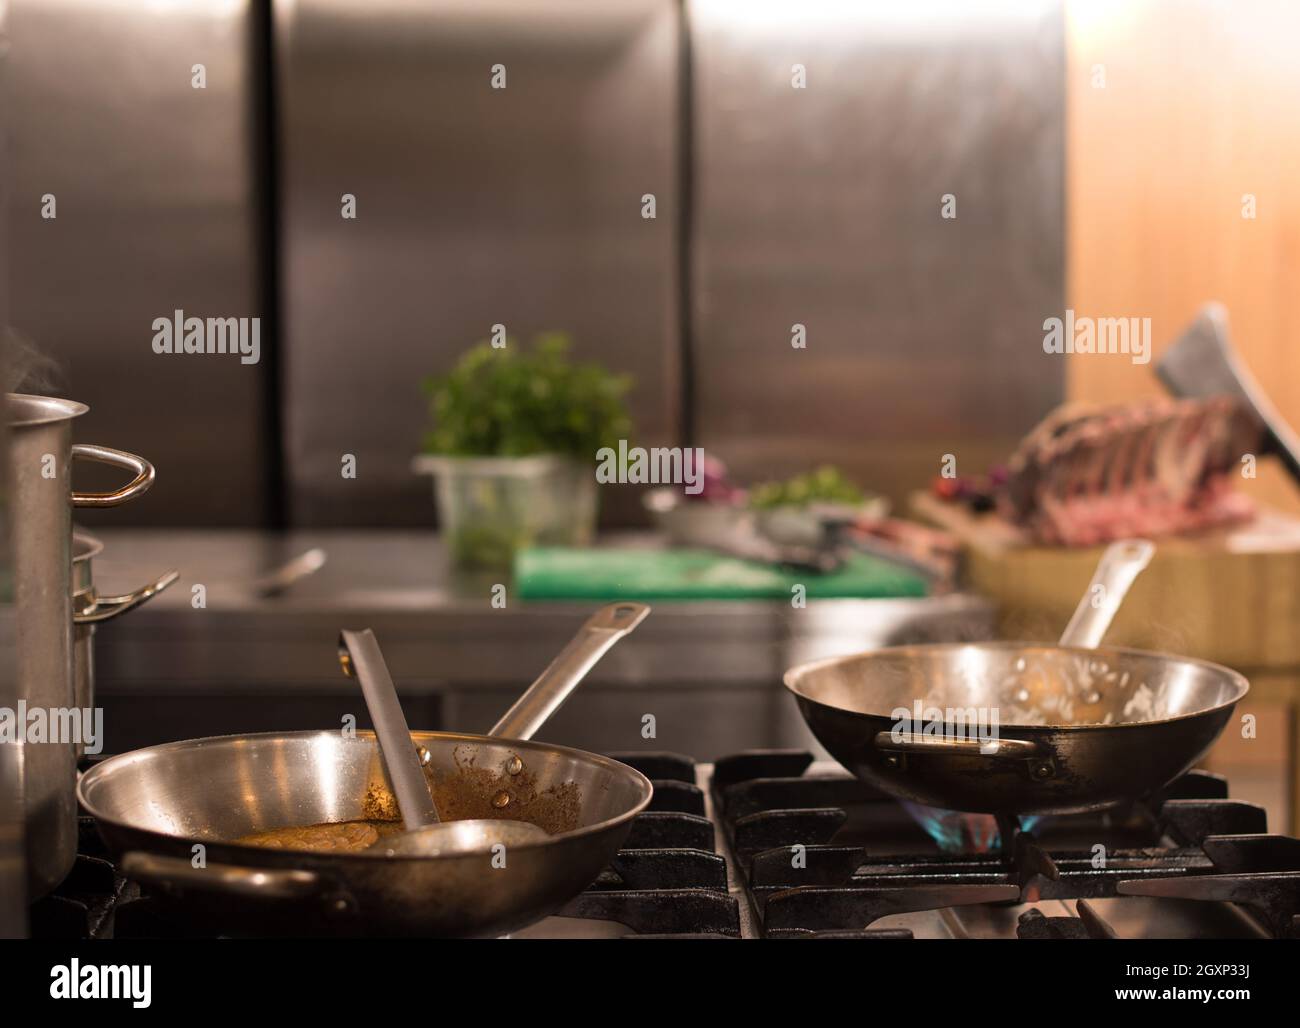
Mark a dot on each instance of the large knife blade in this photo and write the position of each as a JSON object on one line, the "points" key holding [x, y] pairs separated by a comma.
{"points": [[1202, 362]]}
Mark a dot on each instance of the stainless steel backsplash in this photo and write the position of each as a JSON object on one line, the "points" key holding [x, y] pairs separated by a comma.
{"points": [[475, 206], [821, 206], [522, 207], [156, 203]]}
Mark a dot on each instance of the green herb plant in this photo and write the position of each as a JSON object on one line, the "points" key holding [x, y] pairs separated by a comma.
{"points": [[827, 484], [519, 402]]}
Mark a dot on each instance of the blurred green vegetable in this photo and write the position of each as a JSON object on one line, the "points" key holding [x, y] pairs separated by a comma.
{"points": [[825, 485], [517, 402]]}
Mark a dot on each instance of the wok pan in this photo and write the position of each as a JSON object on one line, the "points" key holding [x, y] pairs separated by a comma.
{"points": [[1078, 728], [161, 805]]}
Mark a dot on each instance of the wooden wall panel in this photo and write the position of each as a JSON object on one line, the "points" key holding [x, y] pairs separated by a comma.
{"points": [[1200, 105]]}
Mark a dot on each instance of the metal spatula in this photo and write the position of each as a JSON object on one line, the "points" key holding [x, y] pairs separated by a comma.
{"points": [[1202, 362]]}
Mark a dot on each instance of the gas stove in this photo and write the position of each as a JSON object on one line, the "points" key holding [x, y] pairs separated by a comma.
{"points": [[772, 844], [819, 853]]}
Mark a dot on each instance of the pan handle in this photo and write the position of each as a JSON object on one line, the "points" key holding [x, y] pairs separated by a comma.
{"points": [[1122, 562], [177, 874], [543, 698], [995, 749], [144, 475]]}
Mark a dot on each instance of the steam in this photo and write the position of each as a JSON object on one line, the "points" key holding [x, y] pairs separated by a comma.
{"points": [[26, 369]]}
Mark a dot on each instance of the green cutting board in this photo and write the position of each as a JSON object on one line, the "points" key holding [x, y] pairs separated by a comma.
{"points": [[648, 574]]}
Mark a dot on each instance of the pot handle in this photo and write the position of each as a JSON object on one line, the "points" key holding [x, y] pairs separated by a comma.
{"points": [[543, 698], [144, 475], [994, 749], [177, 874], [107, 607]]}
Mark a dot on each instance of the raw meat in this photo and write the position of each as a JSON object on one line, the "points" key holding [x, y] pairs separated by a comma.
{"points": [[1161, 467]]}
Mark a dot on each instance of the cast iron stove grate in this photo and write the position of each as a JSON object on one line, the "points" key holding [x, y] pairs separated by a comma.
{"points": [[822, 854]]}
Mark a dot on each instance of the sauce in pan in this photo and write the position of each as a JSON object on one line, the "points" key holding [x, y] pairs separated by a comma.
{"points": [[330, 837], [467, 792]]}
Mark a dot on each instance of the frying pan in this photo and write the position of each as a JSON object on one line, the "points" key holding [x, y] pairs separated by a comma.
{"points": [[158, 807], [1078, 727]]}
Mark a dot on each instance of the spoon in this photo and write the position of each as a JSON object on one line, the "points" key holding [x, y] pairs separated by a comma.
{"points": [[543, 698], [425, 834], [360, 656], [279, 579], [467, 835]]}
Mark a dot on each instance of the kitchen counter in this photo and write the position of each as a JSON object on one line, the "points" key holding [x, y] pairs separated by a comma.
{"points": [[443, 639], [438, 627]]}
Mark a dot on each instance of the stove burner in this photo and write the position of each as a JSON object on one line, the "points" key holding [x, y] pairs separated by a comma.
{"points": [[824, 853], [956, 832], [1089, 924]]}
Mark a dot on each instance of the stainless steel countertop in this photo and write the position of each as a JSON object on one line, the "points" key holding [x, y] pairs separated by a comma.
{"points": [[439, 630]]}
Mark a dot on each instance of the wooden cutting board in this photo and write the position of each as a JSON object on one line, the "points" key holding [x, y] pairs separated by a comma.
{"points": [[1231, 596]]}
